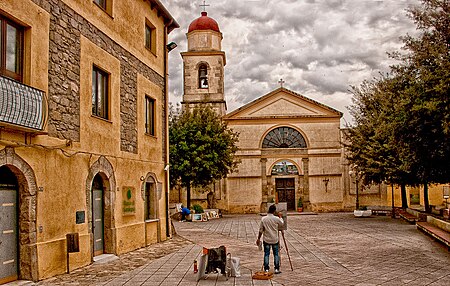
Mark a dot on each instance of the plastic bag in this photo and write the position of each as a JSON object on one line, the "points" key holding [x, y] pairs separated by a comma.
{"points": [[235, 267]]}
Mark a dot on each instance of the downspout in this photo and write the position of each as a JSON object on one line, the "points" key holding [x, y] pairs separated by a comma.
{"points": [[166, 123]]}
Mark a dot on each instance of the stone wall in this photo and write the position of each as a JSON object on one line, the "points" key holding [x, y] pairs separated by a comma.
{"points": [[66, 26]]}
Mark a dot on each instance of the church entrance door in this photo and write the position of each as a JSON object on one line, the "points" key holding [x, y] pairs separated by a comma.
{"points": [[285, 188]]}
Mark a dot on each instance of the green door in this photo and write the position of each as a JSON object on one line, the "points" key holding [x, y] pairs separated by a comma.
{"points": [[8, 234], [97, 217]]}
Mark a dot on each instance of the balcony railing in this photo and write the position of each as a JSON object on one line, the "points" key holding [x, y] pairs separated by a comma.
{"points": [[22, 105]]}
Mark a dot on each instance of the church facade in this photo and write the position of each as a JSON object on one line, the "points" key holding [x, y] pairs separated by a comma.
{"points": [[290, 146]]}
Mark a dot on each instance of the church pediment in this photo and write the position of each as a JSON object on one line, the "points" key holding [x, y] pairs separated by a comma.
{"points": [[283, 106], [283, 103]]}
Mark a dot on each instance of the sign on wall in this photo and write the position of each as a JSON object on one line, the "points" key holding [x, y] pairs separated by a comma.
{"points": [[128, 201]]}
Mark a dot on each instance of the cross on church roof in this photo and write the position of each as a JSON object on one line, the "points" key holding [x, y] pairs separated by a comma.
{"points": [[281, 82], [204, 5]]}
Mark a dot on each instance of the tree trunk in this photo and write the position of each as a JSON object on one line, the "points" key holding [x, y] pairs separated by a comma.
{"points": [[404, 199], [425, 198], [188, 194]]}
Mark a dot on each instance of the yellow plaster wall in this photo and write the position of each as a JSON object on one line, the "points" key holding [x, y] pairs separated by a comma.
{"points": [[130, 237], [151, 232], [53, 259], [326, 206], [150, 145], [325, 164], [129, 175], [435, 195], [51, 256], [96, 132]]}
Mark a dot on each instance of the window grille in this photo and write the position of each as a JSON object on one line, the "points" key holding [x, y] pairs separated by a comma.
{"points": [[284, 137]]}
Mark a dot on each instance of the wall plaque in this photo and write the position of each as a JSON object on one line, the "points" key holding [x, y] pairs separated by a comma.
{"points": [[128, 201], [80, 217]]}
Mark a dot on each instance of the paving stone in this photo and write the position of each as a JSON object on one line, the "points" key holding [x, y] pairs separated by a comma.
{"points": [[327, 249]]}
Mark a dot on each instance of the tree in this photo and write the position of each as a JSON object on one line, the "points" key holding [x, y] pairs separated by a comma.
{"points": [[424, 121], [405, 115], [372, 141], [202, 148]]}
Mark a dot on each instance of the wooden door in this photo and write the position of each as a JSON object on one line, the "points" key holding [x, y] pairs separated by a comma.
{"points": [[285, 188]]}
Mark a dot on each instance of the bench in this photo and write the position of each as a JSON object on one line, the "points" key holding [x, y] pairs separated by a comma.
{"points": [[412, 219], [380, 210], [435, 232]]}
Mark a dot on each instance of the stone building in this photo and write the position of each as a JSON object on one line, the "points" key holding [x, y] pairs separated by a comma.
{"points": [[83, 131], [289, 145]]}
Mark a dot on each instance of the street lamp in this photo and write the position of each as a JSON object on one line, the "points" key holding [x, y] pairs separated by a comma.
{"points": [[354, 173]]}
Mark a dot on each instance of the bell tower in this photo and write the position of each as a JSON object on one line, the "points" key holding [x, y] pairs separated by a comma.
{"points": [[203, 66]]}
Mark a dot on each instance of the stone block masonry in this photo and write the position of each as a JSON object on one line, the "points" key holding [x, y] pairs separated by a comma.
{"points": [[66, 27]]}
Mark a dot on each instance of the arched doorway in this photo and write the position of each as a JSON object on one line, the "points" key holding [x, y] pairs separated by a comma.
{"points": [[285, 173], [18, 201], [9, 226], [100, 197], [98, 224]]}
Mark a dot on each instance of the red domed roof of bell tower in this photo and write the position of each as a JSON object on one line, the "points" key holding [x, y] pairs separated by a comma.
{"points": [[204, 23]]}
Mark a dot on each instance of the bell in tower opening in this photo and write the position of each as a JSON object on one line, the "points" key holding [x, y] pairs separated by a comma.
{"points": [[203, 76]]}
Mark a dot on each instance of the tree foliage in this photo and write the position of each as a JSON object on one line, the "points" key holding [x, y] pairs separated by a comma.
{"points": [[202, 148], [402, 131]]}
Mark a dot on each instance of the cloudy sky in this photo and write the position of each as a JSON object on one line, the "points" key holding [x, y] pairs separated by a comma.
{"points": [[319, 47]]}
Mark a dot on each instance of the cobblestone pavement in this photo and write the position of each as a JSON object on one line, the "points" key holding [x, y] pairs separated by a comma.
{"points": [[99, 273], [336, 249], [325, 249]]}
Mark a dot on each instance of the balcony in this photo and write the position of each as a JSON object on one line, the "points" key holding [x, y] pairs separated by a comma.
{"points": [[22, 107]]}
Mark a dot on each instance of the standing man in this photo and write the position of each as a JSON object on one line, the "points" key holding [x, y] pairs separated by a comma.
{"points": [[269, 227]]}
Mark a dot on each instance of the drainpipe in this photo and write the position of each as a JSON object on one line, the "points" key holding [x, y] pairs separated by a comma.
{"points": [[166, 140]]}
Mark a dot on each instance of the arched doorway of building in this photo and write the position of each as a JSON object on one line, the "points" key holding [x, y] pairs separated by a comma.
{"points": [[18, 204], [9, 226], [100, 188], [98, 214]]}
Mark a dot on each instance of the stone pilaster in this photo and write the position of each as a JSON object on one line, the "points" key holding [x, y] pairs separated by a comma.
{"points": [[306, 180], [264, 187]]}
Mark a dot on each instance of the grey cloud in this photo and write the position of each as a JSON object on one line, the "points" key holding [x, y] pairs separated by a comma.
{"points": [[319, 47]]}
